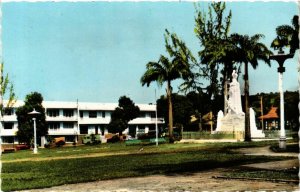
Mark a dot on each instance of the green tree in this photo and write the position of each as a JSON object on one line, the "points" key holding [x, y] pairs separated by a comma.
{"points": [[183, 109], [219, 50], [250, 50], [167, 69], [287, 36], [25, 124], [6, 87], [125, 112]]}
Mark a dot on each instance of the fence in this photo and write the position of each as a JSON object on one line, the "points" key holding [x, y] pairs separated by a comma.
{"points": [[207, 135], [237, 135]]}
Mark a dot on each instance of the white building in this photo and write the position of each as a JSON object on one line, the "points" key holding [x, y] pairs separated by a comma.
{"points": [[72, 119]]}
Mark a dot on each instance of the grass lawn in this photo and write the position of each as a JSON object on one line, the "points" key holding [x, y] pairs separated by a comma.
{"points": [[264, 174], [23, 170]]}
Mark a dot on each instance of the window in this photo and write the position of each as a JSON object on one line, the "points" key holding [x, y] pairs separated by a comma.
{"points": [[68, 125], [68, 113], [103, 114], [81, 114], [141, 127], [93, 114], [70, 138], [53, 125], [52, 112], [152, 114], [8, 125], [8, 111], [83, 129], [142, 114], [8, 139]]}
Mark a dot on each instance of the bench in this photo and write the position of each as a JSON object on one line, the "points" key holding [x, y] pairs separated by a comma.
{"points": [[159, 140], [133, 142]]}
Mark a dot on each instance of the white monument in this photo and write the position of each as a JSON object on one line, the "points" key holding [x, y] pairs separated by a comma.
{"points": [[234, 120], [255, 133]]}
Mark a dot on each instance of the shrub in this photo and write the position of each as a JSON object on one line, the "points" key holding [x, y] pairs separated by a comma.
{"points": [[113, 139]]}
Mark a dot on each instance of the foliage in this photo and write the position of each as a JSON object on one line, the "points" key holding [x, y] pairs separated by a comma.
{"points": [[167, 69], [273, 100], [167, 159], [218, 50], [250, 50], [264, 174], [183, 109], [6, 86], [125, 112], [287, 36], [198, 104], [25, 123]]}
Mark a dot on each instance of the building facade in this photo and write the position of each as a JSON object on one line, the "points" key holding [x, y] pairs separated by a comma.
{"points": [[74, 119]]}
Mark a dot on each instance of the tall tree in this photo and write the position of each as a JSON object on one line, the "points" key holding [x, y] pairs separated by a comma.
{"points": [[32, 101], [250, 50], [167, 69], [5, 87], [287, 36], [125, 112], [218, 50]]}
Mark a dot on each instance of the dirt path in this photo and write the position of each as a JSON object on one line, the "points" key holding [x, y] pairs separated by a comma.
{"points": [[201, 181]]}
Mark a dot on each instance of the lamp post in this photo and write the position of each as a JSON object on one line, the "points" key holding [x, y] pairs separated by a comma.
{"points": [[280, 58], [156, 127], [34, 113]]}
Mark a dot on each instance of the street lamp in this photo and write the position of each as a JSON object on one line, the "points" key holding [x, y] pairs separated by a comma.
{"points": [[156, 127], [34, 113], [280, 58]]}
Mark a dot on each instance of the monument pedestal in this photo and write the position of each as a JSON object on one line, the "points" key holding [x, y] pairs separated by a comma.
{"points": [[232, 123]]}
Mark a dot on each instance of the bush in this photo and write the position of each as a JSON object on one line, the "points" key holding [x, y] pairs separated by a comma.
{"points": [[60, 143], [113, 139]]}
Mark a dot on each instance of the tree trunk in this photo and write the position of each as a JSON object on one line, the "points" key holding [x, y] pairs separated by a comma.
{"points": [[169, 95], [225, 95], [247, 114]]}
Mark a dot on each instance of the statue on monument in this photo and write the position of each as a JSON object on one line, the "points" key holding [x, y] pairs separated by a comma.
{"points": [[234, 100]]}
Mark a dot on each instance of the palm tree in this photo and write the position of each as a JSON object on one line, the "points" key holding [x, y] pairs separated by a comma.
{"points": [[250, 50], [218, 49], [167, 69], [287, 36]]}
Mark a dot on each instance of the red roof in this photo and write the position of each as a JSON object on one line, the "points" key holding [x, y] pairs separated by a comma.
{"points": [[272, 114]]}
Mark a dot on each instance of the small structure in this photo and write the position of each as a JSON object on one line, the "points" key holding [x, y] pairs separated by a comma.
{"points": [[255, 133], [270, 119]]}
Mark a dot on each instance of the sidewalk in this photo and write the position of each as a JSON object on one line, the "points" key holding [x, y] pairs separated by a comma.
{"points": [[266, 151]]}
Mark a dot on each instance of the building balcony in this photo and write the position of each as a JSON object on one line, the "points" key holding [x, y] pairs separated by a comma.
{"points": [[11, 118], [91, 121], [63, 131], [142, 120], [61, 118], [9, 132]]}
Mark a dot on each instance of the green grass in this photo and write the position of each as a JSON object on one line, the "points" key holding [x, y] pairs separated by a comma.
{"points": [[294, 147], [264, 174], [165, 159]]}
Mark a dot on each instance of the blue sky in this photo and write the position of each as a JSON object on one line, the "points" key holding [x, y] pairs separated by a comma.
{"points": [[97, 51]]}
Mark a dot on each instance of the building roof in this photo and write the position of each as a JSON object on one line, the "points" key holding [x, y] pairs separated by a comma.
{"points": [[272, 114], [84, 105]]}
